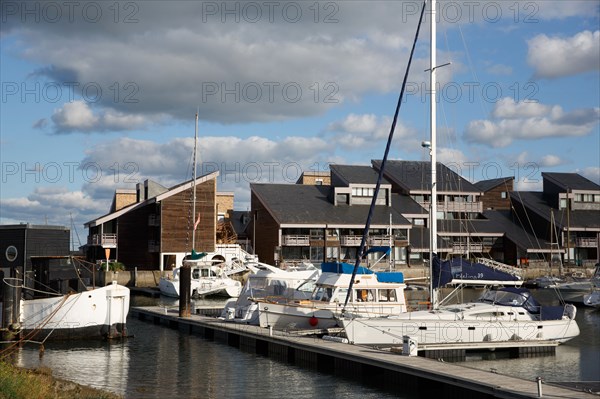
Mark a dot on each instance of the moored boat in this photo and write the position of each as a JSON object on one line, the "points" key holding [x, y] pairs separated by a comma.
{"points": [[373, 294]]}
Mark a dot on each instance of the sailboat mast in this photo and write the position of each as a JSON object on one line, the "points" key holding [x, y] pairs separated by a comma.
{"points": [[433, 150], [194, 184]]}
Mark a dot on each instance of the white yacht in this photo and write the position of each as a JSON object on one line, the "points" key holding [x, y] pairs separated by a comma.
{"points": [[504, 315], [270, 283], [207, 278], [370, 296]]}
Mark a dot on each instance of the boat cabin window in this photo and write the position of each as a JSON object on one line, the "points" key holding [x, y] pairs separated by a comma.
{"points": [[504, 298], [307, 286], [387, 296], [323, 294], [365, 295], [340, 295]]}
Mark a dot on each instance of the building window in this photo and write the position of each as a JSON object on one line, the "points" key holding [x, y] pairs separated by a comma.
{"points": [[503, 195], [319, 182], [11, 253], [362, 192], [563, 203]]}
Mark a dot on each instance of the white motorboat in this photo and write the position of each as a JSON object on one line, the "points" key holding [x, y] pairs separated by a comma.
{"points": [[576, 291], [207, 279], [94, 313], [270, 283], [370, 296], [504, 315]]}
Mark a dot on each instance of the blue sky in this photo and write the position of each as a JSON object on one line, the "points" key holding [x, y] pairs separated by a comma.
{"points": [[102, 95]]}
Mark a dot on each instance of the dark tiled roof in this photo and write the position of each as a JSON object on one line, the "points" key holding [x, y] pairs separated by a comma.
{"points": [[534, 201], [302, 204], [357, 174], [573, 181], [486, 185], [416, 175], [504, 220], [239, 221], [406, 205]]}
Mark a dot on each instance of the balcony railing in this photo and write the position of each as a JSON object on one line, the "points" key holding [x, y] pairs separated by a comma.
{"points": [[379, 240], [463, 248], [587, 242], [350, 241], [295, 240], [456, 206], [104, 240]]}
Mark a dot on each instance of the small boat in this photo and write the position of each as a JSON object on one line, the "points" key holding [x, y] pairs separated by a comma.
{"points": [[503, 315], [575, 291], [268, 282], [592, 299], [93, 313], [374, 294], [207, 279]]}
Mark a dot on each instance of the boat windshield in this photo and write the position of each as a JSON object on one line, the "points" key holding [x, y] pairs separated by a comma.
{"points": [[504, 298]]}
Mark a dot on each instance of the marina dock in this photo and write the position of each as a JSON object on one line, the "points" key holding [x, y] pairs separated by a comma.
{"points": [[383, 368]]}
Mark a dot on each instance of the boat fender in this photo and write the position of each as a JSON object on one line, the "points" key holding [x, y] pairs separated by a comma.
{"points": [[570, 311], [313, 321]]}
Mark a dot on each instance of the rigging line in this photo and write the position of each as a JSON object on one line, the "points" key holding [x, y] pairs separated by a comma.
{"points": [[361, 249], [529, 221]]}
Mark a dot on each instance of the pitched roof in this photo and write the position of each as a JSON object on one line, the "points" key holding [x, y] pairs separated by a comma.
{"points": [[171, 191], [486, 185], [535, 201], [415, 176], [357, 174], [295, 204], [505, 221], [573, 181]]}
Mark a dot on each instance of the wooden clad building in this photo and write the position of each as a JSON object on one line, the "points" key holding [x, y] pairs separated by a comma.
{"points": [[156, 230]]}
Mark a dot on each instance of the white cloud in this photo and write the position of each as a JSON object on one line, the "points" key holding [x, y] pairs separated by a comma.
{"points": [[55, 206], [554, 57], [365, 130], [526, 121], [550, 160], [77, 116], [591, 172]]}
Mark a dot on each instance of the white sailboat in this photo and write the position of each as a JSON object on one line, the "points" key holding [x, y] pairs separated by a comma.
{"points": [[508, 314]]}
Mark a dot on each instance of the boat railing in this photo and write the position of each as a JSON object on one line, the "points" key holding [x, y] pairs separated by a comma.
{"points": [[500, 266]]}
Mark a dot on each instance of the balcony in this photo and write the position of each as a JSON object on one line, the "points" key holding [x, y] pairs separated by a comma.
{"points": [[463, 248], [103, 240], [295, 240], [377, 241], [586, 242], [456, 206], [350, 241]]}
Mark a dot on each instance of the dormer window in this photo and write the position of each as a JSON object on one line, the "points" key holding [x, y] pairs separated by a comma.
{"points": [[362, 192]]}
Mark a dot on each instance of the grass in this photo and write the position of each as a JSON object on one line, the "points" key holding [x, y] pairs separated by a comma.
{"points": [[19, 383]]}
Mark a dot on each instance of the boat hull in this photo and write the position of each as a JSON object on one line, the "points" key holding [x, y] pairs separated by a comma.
{"points": [[97, 313], [311, 314], [390, 331]]}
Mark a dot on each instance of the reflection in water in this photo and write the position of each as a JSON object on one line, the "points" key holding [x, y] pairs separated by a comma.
{"points": [[162, 362]]}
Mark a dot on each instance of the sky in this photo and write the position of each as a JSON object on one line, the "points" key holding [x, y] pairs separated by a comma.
{"points": [[100, 95]]}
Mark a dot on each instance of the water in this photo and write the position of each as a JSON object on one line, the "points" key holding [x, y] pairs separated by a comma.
{"points": [[162, 362]]}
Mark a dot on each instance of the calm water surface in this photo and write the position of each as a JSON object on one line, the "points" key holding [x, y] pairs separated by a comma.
{"points": [[162, 362]]}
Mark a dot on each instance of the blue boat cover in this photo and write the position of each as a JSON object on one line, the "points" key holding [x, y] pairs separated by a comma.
{"points": [[444, 272], [346, 268]]}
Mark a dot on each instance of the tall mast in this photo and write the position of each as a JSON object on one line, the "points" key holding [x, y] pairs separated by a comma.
{"points": [[194, 184], [432, 108]]}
